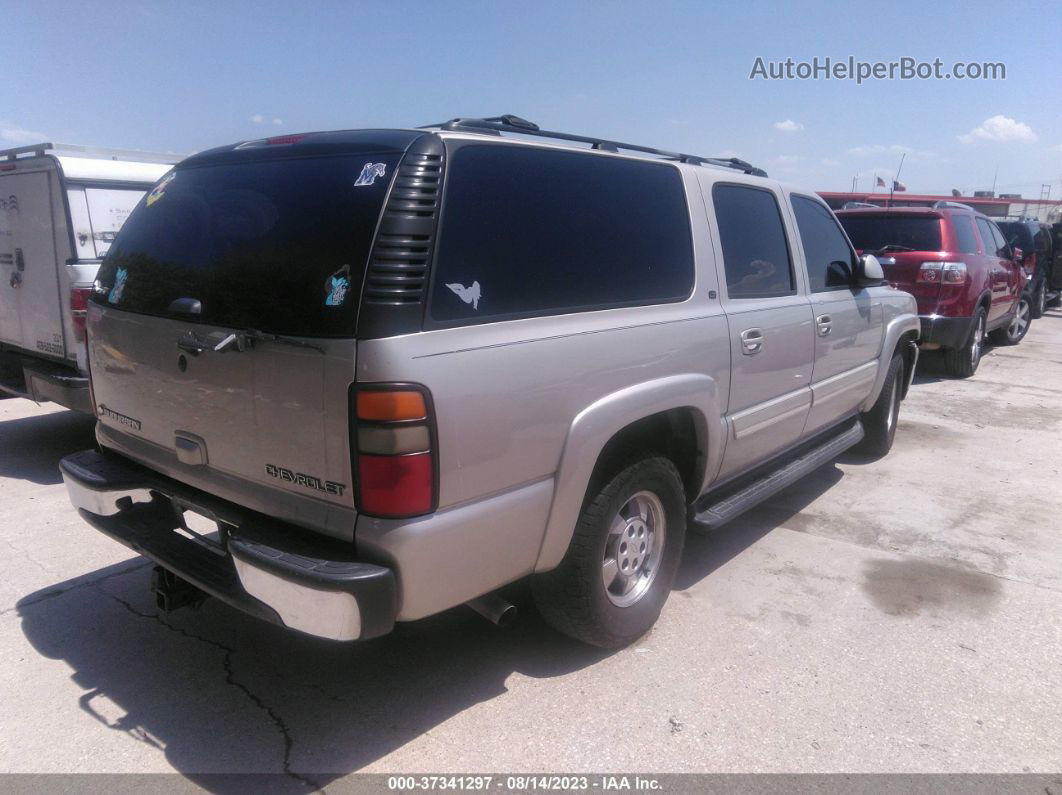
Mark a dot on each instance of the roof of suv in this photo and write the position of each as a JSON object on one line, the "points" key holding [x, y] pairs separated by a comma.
{"points": [[930, 211], [398, 140]]}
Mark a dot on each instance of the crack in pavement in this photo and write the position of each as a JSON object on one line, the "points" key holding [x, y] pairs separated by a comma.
{"points": [[230, 679]]}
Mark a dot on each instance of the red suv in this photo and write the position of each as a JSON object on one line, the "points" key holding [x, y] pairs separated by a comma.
{"points": [[958, 266]]}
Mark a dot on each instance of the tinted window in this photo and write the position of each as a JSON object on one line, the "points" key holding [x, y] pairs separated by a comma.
{"points": [[1002, 247], [875, 233], [1043, 241], [829, 258], [991, 238], [1017, 234], [277, 246], [986, 236], [964, 233], [755, 253], [538, 231]]}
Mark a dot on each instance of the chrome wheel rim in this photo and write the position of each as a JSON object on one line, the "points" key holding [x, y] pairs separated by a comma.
{"points": [[894, 399], [633, 549], [1020, 321], [978, 340]]}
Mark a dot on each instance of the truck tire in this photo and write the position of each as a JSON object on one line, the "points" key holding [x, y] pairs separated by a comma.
{"points": [[879, 423], [618, 570], [1015, 331], [962, 362]]}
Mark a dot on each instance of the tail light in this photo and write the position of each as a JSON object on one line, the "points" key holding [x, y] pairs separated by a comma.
{"points": [[79, 297], [942, 273], [393, 443]]}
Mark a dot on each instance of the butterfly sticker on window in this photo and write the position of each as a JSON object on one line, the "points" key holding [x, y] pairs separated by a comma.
{"points": [[158, 191], [337, 286], [115, 295]]}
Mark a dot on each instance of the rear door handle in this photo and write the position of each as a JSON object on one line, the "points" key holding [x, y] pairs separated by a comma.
{"points": [[751, 341], [825, 324]]}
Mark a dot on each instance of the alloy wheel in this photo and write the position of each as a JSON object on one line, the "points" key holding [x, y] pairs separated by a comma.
{"points": [[1020, 322], [633, 549], [977, 342]]}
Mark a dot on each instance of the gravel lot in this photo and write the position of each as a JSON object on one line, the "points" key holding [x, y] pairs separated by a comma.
{"points": [[903, 615]]}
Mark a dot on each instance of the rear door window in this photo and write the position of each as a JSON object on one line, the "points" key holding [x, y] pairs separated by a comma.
{"points": [[896, 233], [755, 250], [1002, 247], [277, 246], [528, 231], [964, 234], [995, 245], [830, 260]]}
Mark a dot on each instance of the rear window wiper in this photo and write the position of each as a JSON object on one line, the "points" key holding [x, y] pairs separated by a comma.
{"points": [[893, 247], [242, 340]]}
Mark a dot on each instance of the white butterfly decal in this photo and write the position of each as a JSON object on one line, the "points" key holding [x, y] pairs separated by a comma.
{"points": [[470, 295]]}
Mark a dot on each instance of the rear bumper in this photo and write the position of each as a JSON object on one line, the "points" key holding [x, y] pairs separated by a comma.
{"points": [[947, 332], [268, 569], [43, 381]]}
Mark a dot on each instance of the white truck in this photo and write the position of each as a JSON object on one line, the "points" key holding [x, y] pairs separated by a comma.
{"points": [[60, 208]]}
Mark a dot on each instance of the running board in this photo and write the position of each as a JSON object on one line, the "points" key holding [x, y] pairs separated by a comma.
{"points": [[731, 507]]}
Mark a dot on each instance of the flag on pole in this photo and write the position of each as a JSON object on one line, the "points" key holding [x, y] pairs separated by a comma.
{"points": [[898, 186], [881, 183]]}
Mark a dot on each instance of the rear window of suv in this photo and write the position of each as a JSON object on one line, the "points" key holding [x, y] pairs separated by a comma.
{"points": [[528, 231], [870, 233], [277, 246]]}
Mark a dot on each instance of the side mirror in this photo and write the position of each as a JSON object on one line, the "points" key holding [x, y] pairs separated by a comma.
{"points": [[869, 272]]}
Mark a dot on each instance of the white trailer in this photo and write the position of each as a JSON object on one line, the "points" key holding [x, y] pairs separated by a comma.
{"points": [[60, 208]]}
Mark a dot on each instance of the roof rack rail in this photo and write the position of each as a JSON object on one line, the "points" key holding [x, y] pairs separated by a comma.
{"points": [[496, 125], [944, 205], [135, 155], [858, 205]]}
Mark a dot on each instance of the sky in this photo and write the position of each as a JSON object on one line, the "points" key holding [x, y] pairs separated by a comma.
{"points": [[185, 76]]}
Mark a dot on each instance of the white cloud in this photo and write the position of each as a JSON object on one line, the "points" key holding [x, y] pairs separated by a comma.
{"points": [[830, 162], [258, 118], [277, 121], [1000, 128], [14, 134], [788, 126], [788, 160]]}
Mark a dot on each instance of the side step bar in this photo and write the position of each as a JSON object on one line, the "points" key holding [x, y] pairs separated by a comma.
{"points": [[719, 513]]}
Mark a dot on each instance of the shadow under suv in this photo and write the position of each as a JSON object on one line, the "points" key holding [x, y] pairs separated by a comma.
{"points": [[344, 379], [959, 268]]}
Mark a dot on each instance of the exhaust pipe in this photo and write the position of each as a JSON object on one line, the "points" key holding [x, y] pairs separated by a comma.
{"points": [[492, 607]]}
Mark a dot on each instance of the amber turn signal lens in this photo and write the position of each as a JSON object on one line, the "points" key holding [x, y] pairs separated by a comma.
{"points": [[388, 406]]}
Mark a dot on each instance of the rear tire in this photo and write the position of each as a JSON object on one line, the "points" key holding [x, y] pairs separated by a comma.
{"points": [[1015, 331], [635, 522], [879, 424], [962, 362]]}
